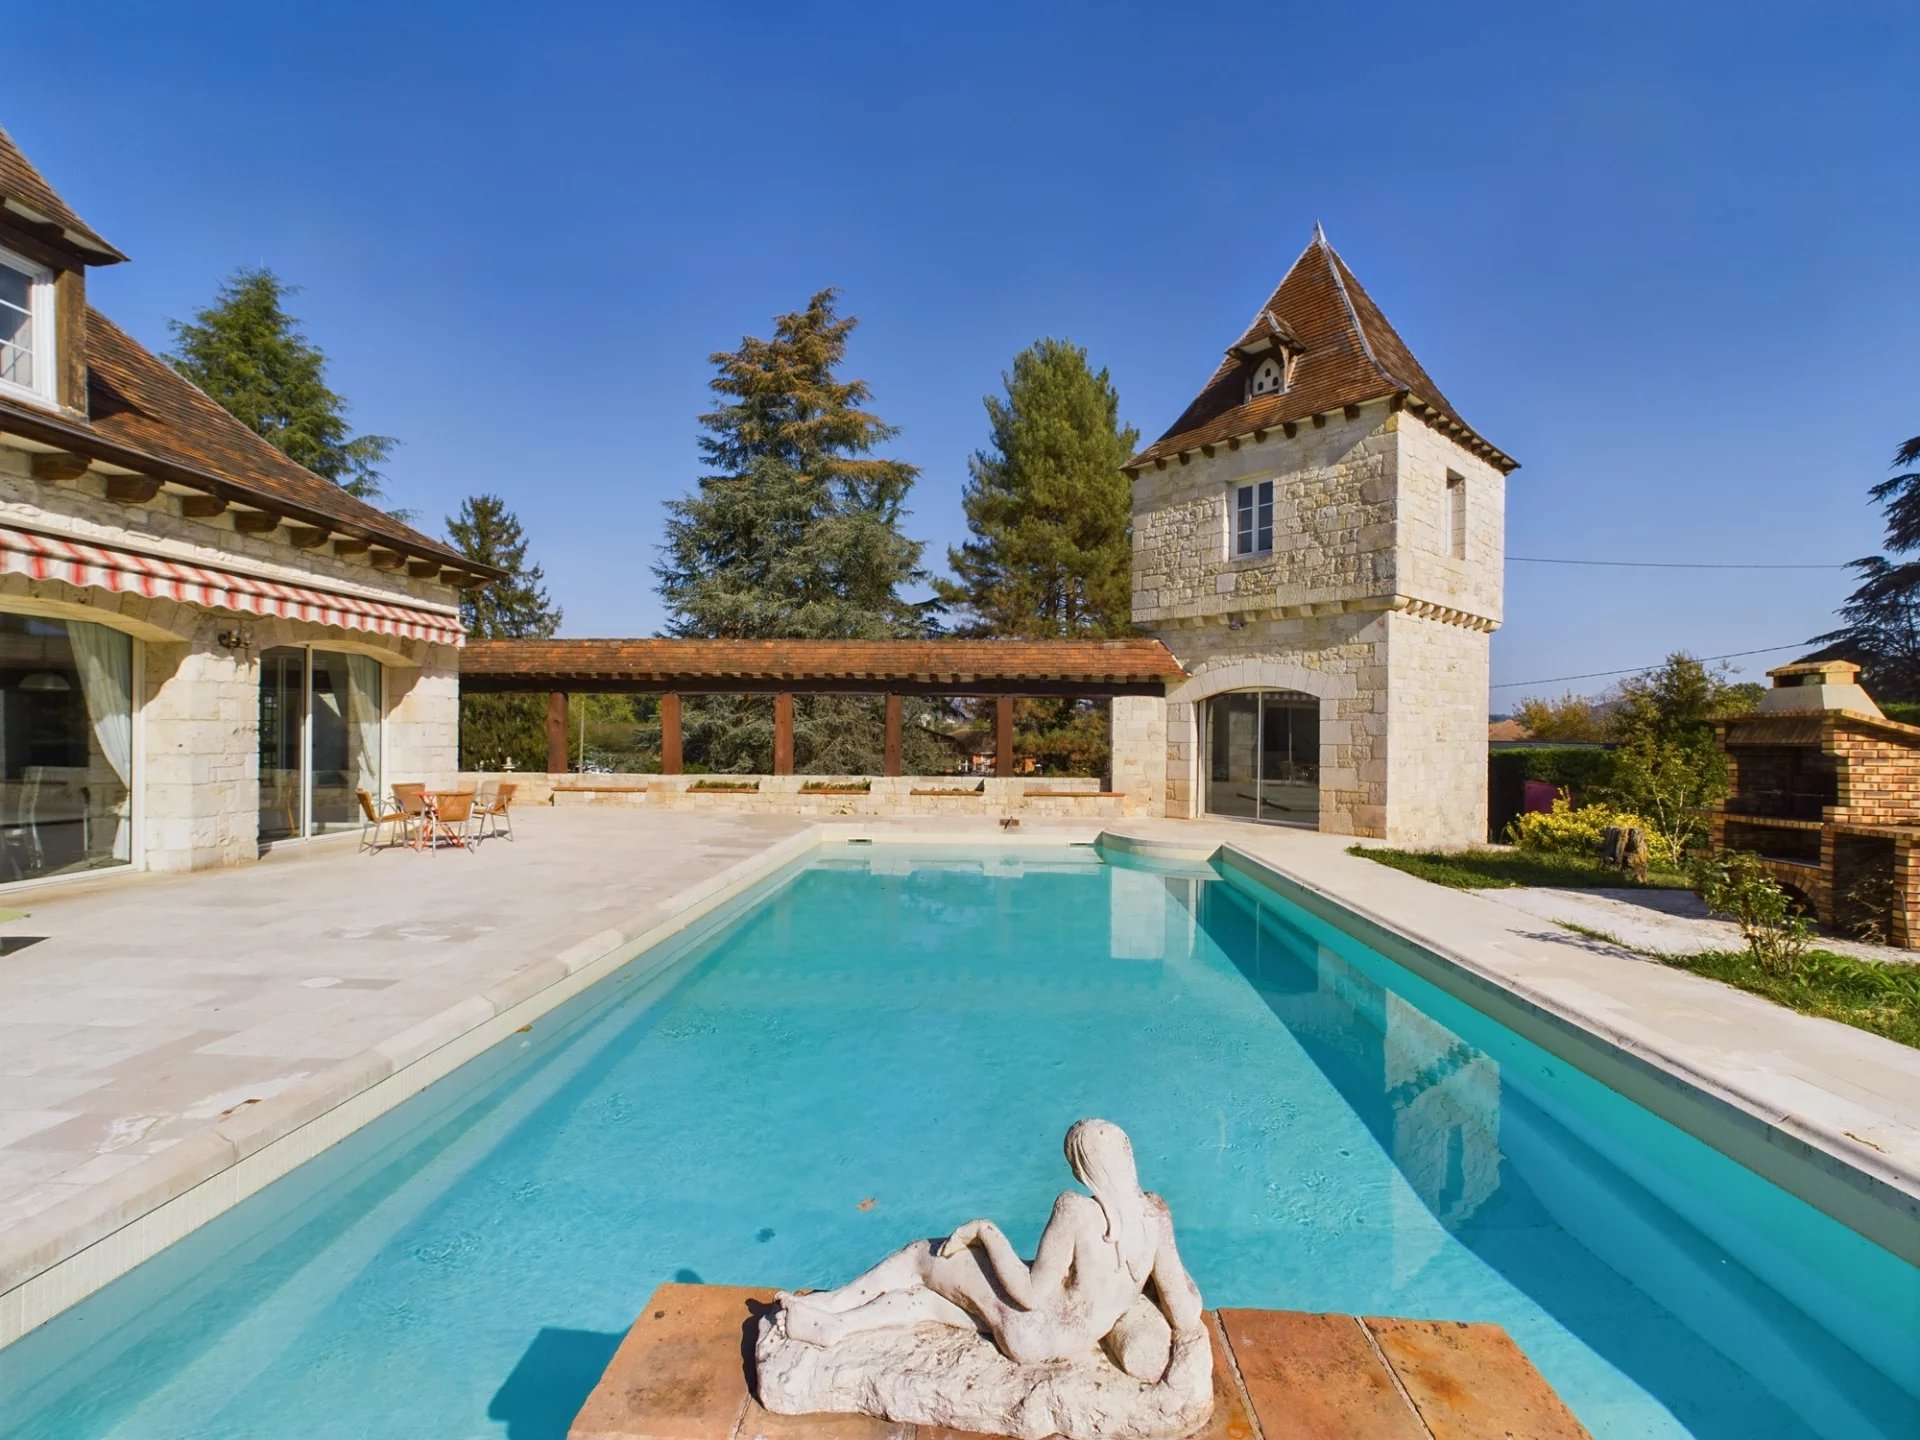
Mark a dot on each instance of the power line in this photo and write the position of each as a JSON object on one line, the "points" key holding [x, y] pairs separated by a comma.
{"points": [[1667, 565], [1639, 669]]}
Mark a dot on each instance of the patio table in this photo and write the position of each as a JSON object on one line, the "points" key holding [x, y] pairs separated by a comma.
{"points": [[436, 825]]}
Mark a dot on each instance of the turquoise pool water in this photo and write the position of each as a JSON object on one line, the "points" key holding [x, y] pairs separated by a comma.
{"points": [[889, 1042]]}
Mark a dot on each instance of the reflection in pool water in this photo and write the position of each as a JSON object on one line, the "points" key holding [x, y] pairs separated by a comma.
{"points": [[1331, 1134]]}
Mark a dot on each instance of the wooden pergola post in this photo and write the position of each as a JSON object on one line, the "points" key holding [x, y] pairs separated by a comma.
{"points": [[783, 732], [670, 758], [1003, 736], [557, 732], [891, 761]]}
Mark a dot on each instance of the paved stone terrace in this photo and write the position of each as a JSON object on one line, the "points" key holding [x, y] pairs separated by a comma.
{"points": [[156, 1008]]}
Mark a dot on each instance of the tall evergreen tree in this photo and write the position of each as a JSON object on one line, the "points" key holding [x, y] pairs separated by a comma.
{"points": [[792, 534], [1048, 505], [498, 729], [249, 354], [1051, 552], [514, 608], [1882, 616]]}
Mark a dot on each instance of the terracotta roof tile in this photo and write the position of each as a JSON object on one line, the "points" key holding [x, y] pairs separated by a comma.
{"points": [[25, 191], [1348, 354], [552, 662], [143, 410]]}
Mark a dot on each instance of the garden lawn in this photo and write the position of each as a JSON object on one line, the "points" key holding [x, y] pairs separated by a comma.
{"points": [[1508, 869], [1882, 996]]}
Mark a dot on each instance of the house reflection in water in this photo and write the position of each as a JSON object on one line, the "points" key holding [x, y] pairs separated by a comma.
{"points": [[1430, 1099]]}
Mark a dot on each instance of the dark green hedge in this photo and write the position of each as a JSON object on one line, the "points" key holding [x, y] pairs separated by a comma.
{"points": [[1579, 768]]}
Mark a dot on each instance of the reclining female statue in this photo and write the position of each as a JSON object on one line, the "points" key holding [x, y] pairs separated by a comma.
{"points": [[1106, 1274]]}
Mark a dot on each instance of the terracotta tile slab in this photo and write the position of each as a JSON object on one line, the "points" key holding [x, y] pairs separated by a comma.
{"points": [[1230, 1420], [1471, 1382], [1316, 1377], [681, 1372], [759, 1423]]}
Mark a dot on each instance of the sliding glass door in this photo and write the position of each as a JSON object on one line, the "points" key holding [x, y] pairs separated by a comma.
{"points": [[1263, 756], [66, 747], [319, 739]]}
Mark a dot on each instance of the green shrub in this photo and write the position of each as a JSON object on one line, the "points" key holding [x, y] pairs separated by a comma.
{"points": [[1577, 830], [1736, 884]]}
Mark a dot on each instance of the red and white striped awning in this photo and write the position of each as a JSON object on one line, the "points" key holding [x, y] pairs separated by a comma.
{"points": [[46, 557]]}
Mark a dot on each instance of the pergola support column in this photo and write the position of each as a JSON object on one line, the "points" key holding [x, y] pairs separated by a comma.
{"points": [[1003, 736], [557, 732], [891, 758], [783, 732], [670, 757]]}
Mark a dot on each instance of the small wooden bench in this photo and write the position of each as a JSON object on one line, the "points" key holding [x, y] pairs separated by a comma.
{"points": [[681, 1374]]}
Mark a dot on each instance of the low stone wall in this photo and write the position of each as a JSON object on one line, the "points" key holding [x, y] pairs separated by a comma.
{"points": [[1037, 796]]}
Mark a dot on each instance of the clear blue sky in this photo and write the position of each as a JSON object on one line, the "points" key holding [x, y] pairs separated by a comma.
{"points": [[1663, 254]]}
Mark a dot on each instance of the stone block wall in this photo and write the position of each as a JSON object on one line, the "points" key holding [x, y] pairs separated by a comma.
{"points": [[196, 730], [1333, 523], [1427, 570], [1340, 659], [1138, 767], [1362, 603], [1437, 677]]}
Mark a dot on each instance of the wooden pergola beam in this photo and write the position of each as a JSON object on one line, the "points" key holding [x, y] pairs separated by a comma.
{"points": [[783, 732], [890, 751], [557, 732], [671, 760]]}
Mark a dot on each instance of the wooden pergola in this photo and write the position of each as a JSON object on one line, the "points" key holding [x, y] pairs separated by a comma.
{"points": [[1000, 669]]}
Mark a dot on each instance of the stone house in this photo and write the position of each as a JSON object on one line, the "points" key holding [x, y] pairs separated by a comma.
{"points": [[1826, 791], [203, 646], [1319, 539]]}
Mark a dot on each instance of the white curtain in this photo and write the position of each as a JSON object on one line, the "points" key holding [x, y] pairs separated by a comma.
{"points": [[363, 719], [104, 659]]}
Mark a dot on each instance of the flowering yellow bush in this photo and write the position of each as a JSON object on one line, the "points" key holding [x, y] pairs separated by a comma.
{"points": [[1565, 830]]}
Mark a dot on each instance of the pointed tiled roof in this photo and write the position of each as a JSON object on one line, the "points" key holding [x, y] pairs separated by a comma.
{"points": [[1345, 353], [25, 193]]}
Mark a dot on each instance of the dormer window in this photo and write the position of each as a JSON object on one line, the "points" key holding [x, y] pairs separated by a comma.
{"points": [[26, 328], [1269, 377]]}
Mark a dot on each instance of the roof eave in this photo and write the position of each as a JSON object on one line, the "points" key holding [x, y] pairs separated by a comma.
{"points": [[50, 430], [89, 246], [1173, 446]]}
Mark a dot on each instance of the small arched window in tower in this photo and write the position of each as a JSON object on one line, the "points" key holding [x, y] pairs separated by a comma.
{"points": [[1269, 377]]}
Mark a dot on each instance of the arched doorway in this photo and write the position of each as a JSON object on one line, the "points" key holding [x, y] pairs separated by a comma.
{"points": [[1263, 756]]}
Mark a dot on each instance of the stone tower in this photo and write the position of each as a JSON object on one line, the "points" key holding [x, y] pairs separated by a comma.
{"points": [[1319, 539]]}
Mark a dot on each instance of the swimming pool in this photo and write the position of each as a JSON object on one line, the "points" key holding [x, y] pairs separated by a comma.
{"points": [[1331, 1132]]}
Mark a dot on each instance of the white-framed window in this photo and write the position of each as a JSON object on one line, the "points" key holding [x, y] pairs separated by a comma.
{"points": [[1269, 377], [1453, 518], [1253, 519], [26, 327]]}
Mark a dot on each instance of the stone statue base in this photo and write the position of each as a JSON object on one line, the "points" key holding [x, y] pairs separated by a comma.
{"points": [[939, 1375]]}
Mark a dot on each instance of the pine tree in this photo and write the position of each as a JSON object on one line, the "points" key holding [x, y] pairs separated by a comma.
{"points": [[792, 534], [249, 354], [498, 729], [1882, 615], [514, 608], [1051, 552], [1048, 505]]}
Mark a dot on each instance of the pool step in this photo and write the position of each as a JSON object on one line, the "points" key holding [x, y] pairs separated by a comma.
{"points": [[681, 1374]]}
